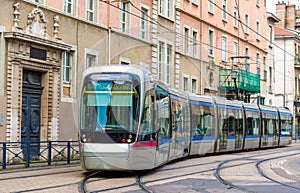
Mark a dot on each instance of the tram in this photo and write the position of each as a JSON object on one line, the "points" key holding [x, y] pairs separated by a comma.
{"points": [[130, 121]]}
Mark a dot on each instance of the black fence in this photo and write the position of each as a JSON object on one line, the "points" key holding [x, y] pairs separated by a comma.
{"points": [[25, 154]]}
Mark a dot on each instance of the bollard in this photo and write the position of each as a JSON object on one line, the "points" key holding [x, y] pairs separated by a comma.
{"points": [[4, 156], [69, 152], [49, 153]]}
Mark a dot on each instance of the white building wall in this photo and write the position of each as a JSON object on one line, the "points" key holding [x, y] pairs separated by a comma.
{"points": [[284, 72]]}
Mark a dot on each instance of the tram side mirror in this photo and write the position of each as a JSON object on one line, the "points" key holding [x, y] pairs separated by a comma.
{"points": [[154, 135]]}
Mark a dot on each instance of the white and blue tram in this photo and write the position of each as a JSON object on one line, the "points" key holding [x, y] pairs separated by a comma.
{"points": [[128, 121]]}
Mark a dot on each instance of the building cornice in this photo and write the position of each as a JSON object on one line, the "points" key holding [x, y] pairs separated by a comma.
{"points": [[38, 40]]}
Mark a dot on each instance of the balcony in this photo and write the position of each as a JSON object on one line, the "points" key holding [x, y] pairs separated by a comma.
{"points": [[246, 81]]}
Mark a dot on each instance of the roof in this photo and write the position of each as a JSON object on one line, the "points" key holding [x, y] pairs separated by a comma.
{"points": [[280, 31]]}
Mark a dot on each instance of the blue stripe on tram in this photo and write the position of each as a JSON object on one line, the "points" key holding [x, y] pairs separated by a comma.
{"points": [[196, 138], [252, 137]]}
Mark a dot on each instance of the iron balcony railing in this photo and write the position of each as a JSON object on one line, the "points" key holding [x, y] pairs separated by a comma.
{"points": [[44, 152]]}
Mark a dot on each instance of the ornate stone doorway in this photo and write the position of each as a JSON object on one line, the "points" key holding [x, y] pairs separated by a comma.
{"points": [[31, 113]]}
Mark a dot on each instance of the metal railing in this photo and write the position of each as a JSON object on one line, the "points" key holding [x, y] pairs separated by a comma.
{"points": [[45, 152]]}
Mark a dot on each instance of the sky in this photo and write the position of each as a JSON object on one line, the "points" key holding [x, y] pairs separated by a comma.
{"points": [[271, 4]]}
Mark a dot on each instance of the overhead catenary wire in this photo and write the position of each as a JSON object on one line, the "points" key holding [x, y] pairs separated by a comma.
{"points": [[180, 35]]}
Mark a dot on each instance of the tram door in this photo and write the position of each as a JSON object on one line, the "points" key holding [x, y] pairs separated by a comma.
{"points": [[223, 128], [31, 102], [163, 123]]}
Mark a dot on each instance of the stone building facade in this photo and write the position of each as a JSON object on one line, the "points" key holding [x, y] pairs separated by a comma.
{"points": [[46, 45]]}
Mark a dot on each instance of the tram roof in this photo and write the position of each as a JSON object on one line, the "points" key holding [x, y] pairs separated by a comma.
{"points": [[178, 93], [202, 98], [268, 108], [118, 69], [251, 105], [224, 101], [284, 110]]}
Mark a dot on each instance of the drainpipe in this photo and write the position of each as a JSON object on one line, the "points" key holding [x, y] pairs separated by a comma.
{"points": [[284, 66], [109, 44], [109, 34]]}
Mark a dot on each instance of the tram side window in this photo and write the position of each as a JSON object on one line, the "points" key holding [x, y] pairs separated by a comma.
{"points": [[270, 124], [146, 132], [232, 122], [286, 126], [203, 116], [162, 101], [223, 121], [239, 119], [276, 125], [175, 115], [186, 117], [252, 123]]}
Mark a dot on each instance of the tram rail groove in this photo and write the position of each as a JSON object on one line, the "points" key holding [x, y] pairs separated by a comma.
{"points": [[227, 183], [143, 186], [260, 171], [82, 185]]}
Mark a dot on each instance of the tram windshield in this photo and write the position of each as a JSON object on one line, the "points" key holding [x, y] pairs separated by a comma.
{"points": [[109, 108]]}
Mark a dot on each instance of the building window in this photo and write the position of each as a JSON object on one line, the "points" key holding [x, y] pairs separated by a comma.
{"points": [[185, 83], [210, 42], [91, 9], [270, 80], [247, 59], [270, 33], [224, 10], [69, 6], [166, 8], [265, 68], [235, 51], [124, 17], [224, 49], [165, 61], [194, 86], [257, 2], [91, 57], [195, 43], [90, 60], [144, 23], [195, 2], [257, 30], [246, 23], [211, 6], [257, 64], [160, 60], [38, 1], [236, 16], [186, 40], [67, 73], [169, 63], [66, 67]]}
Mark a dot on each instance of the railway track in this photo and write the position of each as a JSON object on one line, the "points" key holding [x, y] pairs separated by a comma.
{"points": [[252, 171], [262, 177], [112, 182]]}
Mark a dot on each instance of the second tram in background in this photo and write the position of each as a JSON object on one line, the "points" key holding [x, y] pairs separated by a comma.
{"points": [[128, 121]]}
